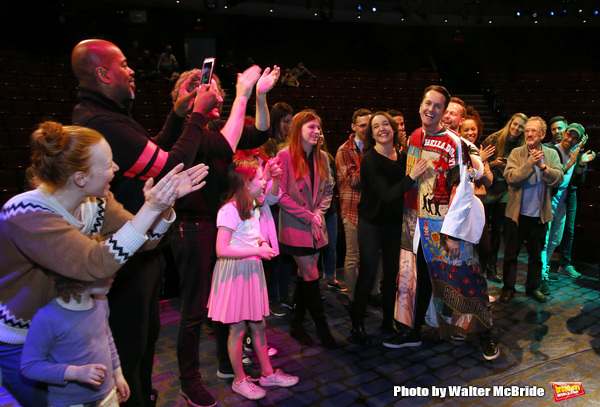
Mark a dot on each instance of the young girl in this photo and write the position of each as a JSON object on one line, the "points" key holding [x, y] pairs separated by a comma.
{"points": [[70, 347], [239, 292]]}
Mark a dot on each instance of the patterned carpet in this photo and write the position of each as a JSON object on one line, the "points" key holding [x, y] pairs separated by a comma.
{"points": [[558, 341]]}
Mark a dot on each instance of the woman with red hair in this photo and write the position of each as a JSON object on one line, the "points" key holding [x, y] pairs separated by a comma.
{"points": [[307, 189]]}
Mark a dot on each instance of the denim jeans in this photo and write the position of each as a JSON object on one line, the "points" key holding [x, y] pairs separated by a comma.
{"points": [[351, 261], [553, 236], [566, 247], [329, 255]]}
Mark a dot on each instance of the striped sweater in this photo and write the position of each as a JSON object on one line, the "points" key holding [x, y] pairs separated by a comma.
{"points": [[38, 238]]}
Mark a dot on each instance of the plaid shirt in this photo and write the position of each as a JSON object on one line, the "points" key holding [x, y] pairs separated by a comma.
{"points": [[347, 161]]}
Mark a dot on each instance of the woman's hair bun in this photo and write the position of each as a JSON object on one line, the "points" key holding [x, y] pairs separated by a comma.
{"points": [[49, 139], [59, 151]]}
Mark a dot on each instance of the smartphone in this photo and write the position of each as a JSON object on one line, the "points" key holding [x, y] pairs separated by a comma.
{"points": [[207, 70]]}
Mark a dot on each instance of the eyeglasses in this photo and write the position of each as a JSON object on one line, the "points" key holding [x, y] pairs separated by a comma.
{"points": [[532, 131]]}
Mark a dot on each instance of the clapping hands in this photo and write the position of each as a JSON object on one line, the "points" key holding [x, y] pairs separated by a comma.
{"points": [[174, 185], [267, 80], [486, 153]]}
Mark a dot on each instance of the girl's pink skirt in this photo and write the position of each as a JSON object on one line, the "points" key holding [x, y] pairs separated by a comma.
{"points": [[238, 291]]}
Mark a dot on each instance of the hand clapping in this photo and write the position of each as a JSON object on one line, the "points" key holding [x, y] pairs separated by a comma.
{"points": [[246, 80], [267, 80], [174, 185]]}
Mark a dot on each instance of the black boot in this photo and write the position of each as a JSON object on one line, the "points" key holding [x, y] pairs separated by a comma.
{"points": [[488, 347], [297, 330], [358, 329], [491, 275], [314, 304]]}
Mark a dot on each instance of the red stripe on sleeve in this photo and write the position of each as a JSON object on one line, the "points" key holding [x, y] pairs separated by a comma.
{"points": [[142, 160], [158, 165]]}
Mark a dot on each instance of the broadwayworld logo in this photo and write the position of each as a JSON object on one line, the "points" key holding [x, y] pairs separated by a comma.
{"points": [[567, 390]]}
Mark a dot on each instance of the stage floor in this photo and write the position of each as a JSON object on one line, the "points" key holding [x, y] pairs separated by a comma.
{"points": [[558, 341]]}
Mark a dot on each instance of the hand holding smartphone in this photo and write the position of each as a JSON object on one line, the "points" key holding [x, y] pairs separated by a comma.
{"points": [[207, 71]]}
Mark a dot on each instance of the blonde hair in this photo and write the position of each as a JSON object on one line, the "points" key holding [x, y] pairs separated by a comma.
{"points": [[503, 133]]}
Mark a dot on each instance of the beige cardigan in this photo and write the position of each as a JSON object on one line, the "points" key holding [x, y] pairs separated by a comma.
{"points": [[517, 172]]}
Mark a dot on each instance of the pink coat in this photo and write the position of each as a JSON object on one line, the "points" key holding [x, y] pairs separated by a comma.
{"points": [[299, 202]]}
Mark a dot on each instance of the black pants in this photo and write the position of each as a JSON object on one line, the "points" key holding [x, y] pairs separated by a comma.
{"points": [[195, 256], [495, 217], [375, 241], [424, 290], [135, 322], [534, 232]]}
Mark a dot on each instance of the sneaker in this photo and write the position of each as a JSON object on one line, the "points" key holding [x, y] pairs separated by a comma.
{"points": [[336, 285], [278, 378], [271, 351], [248, 389], [403, 340], [286, 303], [488, 347], [246, 360], [544, 287], [251, 374], [196, 394], [569, 271], [277, 309], [224, 375]]}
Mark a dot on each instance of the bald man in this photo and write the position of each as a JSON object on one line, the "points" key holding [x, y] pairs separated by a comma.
{"points": [[106, 94]]}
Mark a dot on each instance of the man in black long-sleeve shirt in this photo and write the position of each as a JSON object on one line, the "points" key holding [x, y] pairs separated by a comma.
{"points": [[106, 93], [195, 243]]}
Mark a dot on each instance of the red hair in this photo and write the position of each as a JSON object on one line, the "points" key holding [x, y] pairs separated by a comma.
{"points": [[249, 155], [296, 150], [240, 172]]}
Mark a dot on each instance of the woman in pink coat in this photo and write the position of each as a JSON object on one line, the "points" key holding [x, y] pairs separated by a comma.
{"points": [[307, 189]]}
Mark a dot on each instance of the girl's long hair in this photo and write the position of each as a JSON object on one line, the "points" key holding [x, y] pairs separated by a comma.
{"points": [[240, 172], [503, 134], [296, 150]]}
